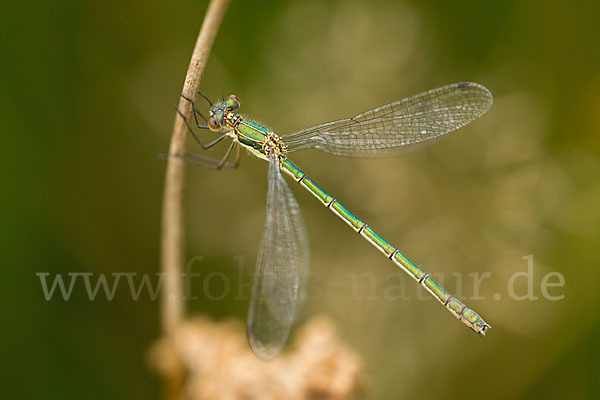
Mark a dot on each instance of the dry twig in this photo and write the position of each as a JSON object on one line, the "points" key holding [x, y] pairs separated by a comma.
{"points": [[172, 240]]}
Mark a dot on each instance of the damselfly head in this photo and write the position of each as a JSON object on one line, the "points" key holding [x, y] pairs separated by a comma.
{"points": [[219, 111]]}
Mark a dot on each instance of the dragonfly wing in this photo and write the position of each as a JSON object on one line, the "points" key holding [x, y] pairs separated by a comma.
{"points": [[281, 277], [390, 129]]}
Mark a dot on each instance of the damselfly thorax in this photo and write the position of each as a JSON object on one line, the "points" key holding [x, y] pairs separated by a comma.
{"points": [[254, 137]]}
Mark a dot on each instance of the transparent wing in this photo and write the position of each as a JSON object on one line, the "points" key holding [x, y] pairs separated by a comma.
{"points": [[281, 277], [390, 129]]}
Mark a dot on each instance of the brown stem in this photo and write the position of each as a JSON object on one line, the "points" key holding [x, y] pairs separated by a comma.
{"points": [[172, 240]]}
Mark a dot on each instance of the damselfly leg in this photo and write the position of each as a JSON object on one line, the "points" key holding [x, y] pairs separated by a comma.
{"points": [[198, 159], [208, 162]]}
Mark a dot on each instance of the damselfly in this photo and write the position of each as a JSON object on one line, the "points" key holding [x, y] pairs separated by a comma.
{"points": [[282, 270]]}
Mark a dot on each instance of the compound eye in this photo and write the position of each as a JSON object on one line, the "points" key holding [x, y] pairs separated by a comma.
{"points": [[234, 98], [232, 102], [214, 124]]}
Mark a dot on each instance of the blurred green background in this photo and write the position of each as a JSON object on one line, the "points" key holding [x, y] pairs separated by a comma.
{"points": [[86, 102]]}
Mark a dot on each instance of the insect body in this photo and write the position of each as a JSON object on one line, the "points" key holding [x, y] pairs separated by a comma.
{"points": [[281, 278]]}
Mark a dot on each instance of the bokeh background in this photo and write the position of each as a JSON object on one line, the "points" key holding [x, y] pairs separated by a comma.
{"points": [[86, 102]]}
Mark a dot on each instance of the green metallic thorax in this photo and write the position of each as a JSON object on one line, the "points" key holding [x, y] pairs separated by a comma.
{"points": [[254, 137]]}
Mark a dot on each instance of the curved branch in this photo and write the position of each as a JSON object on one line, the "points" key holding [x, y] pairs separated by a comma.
{"points": [[172, 237]]}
